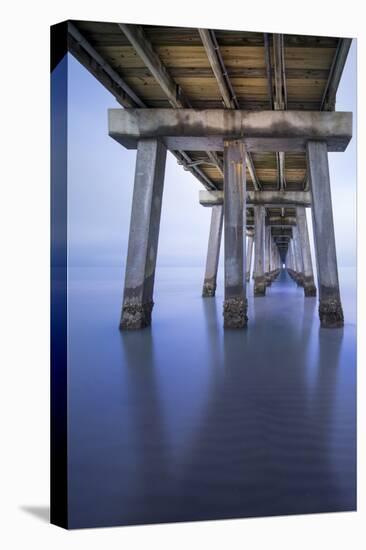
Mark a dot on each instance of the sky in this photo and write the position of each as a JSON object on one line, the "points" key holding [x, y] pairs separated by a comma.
{"points": [[101, 175]]}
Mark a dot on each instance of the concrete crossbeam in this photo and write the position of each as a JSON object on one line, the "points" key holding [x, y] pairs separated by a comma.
{"points": [[281, 221], [286, 222], [260, 198], [206, 130], [285, 232], [283, 239]]}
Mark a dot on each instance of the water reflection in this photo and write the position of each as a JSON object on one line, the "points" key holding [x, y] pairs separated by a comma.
{"points": [[213, 319], [186, 421], [336, 387], [148, 448]]}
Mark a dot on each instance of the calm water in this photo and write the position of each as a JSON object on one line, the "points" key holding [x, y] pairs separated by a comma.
{"points": [[185, 422]]}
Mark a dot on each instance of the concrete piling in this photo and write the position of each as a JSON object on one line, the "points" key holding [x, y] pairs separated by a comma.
{"points": [[308, 276], [213, 252], [235, 304], [250, 244], [259, 279], [144, 234], [330, 307]]}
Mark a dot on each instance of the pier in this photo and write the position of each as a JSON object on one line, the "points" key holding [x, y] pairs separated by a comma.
{"points": [[253, 117]]}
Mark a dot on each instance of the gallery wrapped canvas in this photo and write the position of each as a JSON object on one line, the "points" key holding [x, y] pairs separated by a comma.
{"points": [[193, 380]]}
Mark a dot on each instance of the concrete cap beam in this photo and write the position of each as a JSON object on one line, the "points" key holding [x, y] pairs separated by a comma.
{"points": [[206, 130], [261, 198]]}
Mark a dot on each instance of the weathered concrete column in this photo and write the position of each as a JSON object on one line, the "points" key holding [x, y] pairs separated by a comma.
{"points": [[289, 258], [213, 251], [274, 265], [292, 263], [250, 235], [144, 234], [330, 307], [259, 280], [293, 258], [298, 257], [267, 254], [278, 260], [302, 225], [235, 304]]}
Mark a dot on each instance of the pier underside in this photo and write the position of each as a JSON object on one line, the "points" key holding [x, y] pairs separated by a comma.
{"points": [[252, 117]]}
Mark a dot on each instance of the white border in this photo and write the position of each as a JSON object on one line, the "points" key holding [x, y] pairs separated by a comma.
{"points": [[25, 274]]}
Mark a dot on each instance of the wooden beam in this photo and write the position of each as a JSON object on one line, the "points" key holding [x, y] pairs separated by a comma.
{"points": [[335, 73], [251, 105], [267, 53], [96, 70], [235, 72], [217, 161], [111, 80], [226, 89], [95, 64], [280, 99], [267, 57], [185, 160], [93, 61], [217, 69], [252, 172], [136, 36]]}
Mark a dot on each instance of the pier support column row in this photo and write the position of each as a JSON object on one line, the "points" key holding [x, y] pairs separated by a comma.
{"points": [[235, 304], [144, 232], [330, 307]]}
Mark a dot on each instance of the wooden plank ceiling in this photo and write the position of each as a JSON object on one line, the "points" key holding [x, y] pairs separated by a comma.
{"points": [[307, 62]]}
